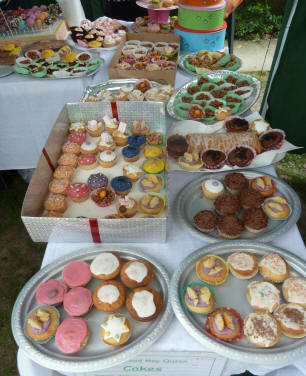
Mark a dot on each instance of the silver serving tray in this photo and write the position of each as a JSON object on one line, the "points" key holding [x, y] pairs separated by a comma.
{"points": [[96, 355], [190, 200], [111, 85], [248, 103], [182, 66], [232, 294]]}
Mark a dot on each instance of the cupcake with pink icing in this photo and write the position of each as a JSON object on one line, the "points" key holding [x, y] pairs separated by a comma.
{"points": [[76, 273], [95, 128], [77, 137], [51, 292], [109, 41], [78, 301], [41, 323], [87, 161], [72, 335], [78, 192]]}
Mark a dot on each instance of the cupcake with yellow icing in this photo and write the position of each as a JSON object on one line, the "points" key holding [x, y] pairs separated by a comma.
{"points": [[153, 165], [152, 151]]}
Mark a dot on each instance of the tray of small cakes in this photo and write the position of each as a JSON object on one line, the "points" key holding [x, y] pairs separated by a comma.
{"points": [[245, 204], [200, 98], [244, 300], [92, 309], [56, 60], [104, 174], [233, 142], [128, 89]]}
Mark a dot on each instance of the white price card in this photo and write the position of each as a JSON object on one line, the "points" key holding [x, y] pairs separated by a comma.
{"points": [[166, 364]]}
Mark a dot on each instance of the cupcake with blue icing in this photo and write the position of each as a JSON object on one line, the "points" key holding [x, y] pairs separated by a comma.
{"points": [[137, 140], [131, 153], [121, 185]]}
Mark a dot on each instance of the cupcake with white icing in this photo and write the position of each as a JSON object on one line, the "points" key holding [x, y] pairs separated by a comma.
{"points": [[105, 266], [95, 128], [260, 126], [136, 273], [144, 304], [115, 330], [109, 296], [212, 188]]}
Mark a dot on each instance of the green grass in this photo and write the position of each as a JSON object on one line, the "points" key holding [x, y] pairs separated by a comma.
{"points": [[20, 259]]}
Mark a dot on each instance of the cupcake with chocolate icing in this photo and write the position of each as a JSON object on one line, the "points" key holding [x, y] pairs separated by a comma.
{"points": [[250, 198], [230, 226], [241, 156], [235, 182], [205, 221], [292, 319], [213, 159], [236, 124], [227, 204], [272, 139], [255, 220], [176, 146]]}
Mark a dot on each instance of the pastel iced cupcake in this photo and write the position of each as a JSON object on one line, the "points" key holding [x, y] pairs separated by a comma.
{"points": [[41, 323], [72, 335], [51, 292], [76, 273]]}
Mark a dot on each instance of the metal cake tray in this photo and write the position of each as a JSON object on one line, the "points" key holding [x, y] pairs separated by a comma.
{"points": [[96, 355], [232, 294]]}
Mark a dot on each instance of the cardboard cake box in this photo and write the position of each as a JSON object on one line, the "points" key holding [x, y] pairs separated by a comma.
{"points": [[164, 77], [91, 226]]}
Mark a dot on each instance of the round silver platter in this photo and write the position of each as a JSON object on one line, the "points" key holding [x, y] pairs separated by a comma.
{"points": [[190, 200], [111, 85], [96, 355], [247, 103], [182, 66], [232, 294]]}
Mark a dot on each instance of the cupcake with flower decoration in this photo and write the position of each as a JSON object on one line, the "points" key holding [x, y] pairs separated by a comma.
{"points": [[127, 206]]}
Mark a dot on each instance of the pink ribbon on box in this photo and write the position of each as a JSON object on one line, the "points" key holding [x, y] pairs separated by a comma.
{"points": [[94, 228], [46, 155], [114, 110]]}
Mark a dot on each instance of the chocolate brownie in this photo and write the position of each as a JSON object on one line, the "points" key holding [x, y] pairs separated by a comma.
{"points": [[250, 198], [255, 219], [227, 204], [236, 182], [205, 220], [230, 226]]}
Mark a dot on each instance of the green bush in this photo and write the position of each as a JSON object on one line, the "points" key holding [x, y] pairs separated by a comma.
{"points": [[256, 19]]}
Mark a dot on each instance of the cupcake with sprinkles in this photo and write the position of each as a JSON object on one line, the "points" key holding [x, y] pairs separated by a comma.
{"points": [[87, 161], [243, 265], [78, 192], [96, 181], [41, 323], [294, 290], [274, 268], [263, 295]]}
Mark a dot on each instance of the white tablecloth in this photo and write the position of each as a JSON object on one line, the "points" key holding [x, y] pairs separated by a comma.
{"points": [[179, 245], [29, 108]]}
